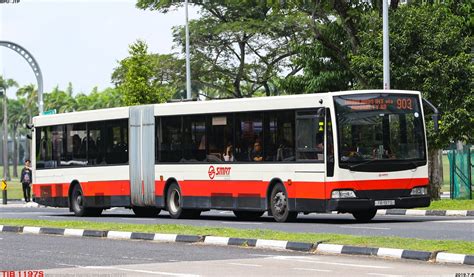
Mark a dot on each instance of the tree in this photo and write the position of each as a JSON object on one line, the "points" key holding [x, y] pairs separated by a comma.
{"points": [[431, 50], [16, 118], [136, 80], [239, 48], [108, 98], [62, 101], [6, 84]]}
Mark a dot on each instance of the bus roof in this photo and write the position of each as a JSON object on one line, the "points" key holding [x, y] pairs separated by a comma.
{"points": [[299, 101]]}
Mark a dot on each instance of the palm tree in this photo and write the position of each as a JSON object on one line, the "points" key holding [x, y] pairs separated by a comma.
{"points": [[17, 118], [29, 96], [6, 84]]}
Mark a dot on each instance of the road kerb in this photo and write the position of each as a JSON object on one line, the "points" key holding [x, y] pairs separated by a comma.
{"points": [[323, 248]]}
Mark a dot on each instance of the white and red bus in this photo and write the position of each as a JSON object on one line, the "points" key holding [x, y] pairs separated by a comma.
{"points": [[351, 152]]}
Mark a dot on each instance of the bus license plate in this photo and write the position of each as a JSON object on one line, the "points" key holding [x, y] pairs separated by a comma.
{"points": [[384, 202]]}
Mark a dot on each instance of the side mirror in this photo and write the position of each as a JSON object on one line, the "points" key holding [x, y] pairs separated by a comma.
{"points": [[28, 136], [436, 116], [29, 125], [436, 121]]}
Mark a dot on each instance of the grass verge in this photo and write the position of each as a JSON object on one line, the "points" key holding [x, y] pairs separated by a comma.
{"points": [[448, 204], [14, 190], [451, 246]]}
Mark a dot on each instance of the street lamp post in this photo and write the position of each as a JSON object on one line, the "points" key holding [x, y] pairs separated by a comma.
{"points": [[188, 65], [5, 133], [386, 51]]}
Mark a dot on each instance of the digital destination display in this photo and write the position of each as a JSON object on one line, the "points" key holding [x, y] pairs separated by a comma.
{"points": [[391, 102]]}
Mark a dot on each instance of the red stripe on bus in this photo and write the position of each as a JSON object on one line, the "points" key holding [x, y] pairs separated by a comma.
{"points": [[295, 189]]}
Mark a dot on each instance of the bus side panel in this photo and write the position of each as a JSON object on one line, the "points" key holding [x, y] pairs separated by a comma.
{"points": [[107, 193], [54, 195], [225, 194]]}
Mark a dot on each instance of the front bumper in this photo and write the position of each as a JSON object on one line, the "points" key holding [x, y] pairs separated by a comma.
{"points": [[355, 204]]}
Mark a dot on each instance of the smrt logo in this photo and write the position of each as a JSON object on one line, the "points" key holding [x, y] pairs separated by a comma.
{"points": [[219, 171]]}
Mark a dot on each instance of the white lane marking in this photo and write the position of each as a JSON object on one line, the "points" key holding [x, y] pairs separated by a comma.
{"points": [[471, 221], [360, 227], [312, 269], [240, 264], [1, 238], [243, 223], [73, 265], [144, 271], [385, 275], [131, 218], [292, 258]]}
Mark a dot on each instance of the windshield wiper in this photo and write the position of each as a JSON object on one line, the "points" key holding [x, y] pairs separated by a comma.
{"points": [[351, 167]]}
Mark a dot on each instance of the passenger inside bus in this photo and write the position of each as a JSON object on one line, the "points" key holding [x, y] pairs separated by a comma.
{"points": [[256, 154], [229, 153]]}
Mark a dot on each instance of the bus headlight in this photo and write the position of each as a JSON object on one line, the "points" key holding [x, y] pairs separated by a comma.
{"points": [[419, 191], [343, 194]]}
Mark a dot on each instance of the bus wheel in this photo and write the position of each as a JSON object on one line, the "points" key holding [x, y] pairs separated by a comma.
{"points": [[279, 205], [77, 203], [248, 215], [174, 203], [146, 211], [364, 216]]}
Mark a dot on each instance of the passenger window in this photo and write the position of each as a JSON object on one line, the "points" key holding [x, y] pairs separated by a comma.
{"points": [[249, 137], [170, 139], [280, 136], [194, 139], [117, 142], [97, 147], [76, 145], [220, 142], [310, 135]]}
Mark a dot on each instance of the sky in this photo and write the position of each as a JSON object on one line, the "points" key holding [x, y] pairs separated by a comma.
{"points": [[79, 41]]}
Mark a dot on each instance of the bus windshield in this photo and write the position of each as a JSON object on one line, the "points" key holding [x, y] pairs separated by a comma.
{"points": [[379, 127]]}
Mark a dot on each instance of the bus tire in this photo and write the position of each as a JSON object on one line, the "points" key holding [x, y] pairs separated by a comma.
{"points": [[77, 204], [146, 211], [364, 216], [279, 205], [248, 215], [174, 204]]}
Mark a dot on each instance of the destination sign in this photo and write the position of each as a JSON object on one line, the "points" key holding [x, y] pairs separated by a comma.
{"points": [[379, 103]]}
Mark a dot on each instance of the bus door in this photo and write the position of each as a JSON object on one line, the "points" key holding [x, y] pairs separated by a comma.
{"points": [[310, 174], [142, 155]]}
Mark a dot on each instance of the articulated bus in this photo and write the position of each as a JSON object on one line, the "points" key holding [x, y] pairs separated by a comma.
{"points": [[350, 152]]}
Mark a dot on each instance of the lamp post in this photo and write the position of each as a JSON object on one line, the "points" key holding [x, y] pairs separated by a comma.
{"points": [[188, 65], [3, 93], [386, 51]]}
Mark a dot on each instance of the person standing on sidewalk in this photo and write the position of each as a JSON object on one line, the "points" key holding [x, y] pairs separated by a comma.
{"points": [[26, 178]]}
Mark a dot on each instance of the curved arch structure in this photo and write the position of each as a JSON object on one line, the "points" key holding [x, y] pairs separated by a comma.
{"points": [[33, 64]]}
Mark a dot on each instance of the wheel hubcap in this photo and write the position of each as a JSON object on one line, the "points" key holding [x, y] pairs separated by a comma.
{"points": [[78, 203], [174, 201], [279, 202]]}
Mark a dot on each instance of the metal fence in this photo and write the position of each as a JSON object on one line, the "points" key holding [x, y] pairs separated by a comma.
{"points": [[461, 161]]}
